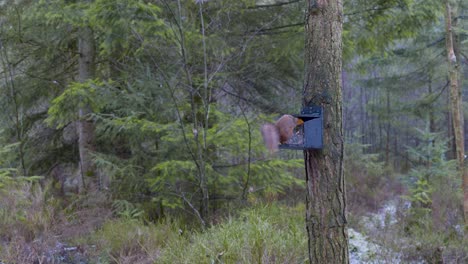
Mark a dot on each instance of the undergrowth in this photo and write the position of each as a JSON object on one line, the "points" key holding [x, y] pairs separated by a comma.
{"points": [[34, 223], [35, 228], [264, 234], [27, 218]]}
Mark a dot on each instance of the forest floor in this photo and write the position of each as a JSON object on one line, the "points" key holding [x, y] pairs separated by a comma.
{"points": [[267, 233], [88, 231]]}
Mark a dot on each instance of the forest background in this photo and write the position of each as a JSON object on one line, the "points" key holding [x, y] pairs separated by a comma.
{"points": [[130, 130]]}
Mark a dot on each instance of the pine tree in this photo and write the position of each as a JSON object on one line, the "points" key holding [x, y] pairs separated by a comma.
{"points": [[326, 202]]}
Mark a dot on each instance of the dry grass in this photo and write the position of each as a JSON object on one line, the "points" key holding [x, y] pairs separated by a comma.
{"points": [[35, 226]]}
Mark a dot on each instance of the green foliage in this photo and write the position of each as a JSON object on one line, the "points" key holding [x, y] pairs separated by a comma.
{"points": [[369, 183], [432, 245], [7, 180], [229, 170], [373, 28], [129, 239], [159, 127], [406, 87], [426, 225], [121, 22], [8, 156], [431, 167], [5, 176], [434, 187], [64, 108], [421, 193], [126, 210], [274, 176], [9, 176], [248, 238], [191, 81], [358, 160]]}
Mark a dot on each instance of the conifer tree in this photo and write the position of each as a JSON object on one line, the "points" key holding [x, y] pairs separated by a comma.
{"points": [[456, 105], [326, 202], [85, 128]]}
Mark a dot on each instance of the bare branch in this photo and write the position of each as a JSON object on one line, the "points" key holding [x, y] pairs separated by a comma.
{"points": [[197, 213]]}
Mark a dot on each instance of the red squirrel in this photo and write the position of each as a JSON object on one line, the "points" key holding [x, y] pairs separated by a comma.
{"points": [[279, 132]]}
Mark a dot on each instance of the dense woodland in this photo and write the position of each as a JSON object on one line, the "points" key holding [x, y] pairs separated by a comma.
{"points": [[129, 130]]}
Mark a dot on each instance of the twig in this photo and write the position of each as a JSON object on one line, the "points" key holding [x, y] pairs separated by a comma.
{"points": [[197, 213]]}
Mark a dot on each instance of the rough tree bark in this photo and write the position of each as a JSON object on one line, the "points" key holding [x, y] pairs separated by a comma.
{"points": [[325, 217], [85, 128], [456, 106]]}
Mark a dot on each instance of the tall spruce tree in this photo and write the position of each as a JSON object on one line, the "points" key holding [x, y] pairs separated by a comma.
{"points": [[326, 201], [85, 128]]}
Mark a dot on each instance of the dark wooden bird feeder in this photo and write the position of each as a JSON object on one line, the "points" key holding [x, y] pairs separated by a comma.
{"points": [[310, 134]]}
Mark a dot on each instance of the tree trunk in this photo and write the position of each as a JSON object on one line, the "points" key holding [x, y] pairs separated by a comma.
{"points": [[325, 217], [456, 106], [200, 125], [451, 139], [9, 72], [387, 128], [85, 128]]}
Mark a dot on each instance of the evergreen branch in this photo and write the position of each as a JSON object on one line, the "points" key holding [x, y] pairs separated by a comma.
{"points": [[439, 93], [274, 33], [273, 5], [460, 17], [10, 82], [435, 42], [465, 57], [16, 63], [165, 79], [173, 15], [262, 31], [249, 159], [237, 96], [66, 70], [370, 10], [217, 197], [242, 163]]}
